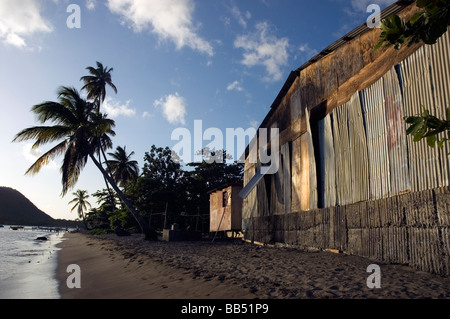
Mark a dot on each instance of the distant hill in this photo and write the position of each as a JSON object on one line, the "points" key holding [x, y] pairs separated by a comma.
{"points": [[16, 209]]}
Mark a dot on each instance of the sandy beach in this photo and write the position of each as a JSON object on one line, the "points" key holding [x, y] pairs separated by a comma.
{"points": [[130, 268]]}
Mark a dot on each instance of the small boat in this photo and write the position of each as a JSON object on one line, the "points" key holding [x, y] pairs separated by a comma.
{"points": [[1, 226], [16, 227]]}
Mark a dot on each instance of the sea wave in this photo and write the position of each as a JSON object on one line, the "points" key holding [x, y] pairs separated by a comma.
{"points": [[27, 266]]}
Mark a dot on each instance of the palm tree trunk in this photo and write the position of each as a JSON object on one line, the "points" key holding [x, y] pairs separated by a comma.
{"points": [[99, 103], [81, 214], [111, 195], [147, 230]]}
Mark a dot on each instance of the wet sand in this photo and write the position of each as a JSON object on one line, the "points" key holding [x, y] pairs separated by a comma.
{"points": [[130, 268]]}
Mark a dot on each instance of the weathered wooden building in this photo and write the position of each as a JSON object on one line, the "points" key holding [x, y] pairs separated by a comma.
{"points": [[349, 178]]}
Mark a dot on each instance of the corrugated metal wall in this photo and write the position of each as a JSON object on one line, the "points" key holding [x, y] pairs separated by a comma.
{"points": [[364, 153], [396, 134], [342, 153], [350, 149], [313, 196], [328, 163], [374, 158], [372, 102], [440, 76], [425, 77], [358, 151]]}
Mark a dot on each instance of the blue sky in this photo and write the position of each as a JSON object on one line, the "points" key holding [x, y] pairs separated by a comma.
{"points": [[175, 61]]}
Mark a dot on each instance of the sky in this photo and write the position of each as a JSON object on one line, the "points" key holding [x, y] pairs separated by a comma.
{"points": [[174, 62]]}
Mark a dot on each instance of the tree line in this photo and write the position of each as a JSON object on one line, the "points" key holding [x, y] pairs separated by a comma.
{"points": [[162, 191], [82, 132]]}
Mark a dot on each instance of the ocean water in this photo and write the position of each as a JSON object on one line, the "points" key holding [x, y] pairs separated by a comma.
{"points": [[28, 266]]}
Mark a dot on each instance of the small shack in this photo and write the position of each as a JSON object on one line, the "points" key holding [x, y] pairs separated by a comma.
{"points": [[225, 209]]}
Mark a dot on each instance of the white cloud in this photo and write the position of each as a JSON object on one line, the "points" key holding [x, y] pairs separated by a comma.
{"points": [[173, 107], [146, 115], [15, 40], [20, 20], [91, 4], [32, 155], [236, 85], [114, 108], [262, 48], [169, 19], [240, 17]]}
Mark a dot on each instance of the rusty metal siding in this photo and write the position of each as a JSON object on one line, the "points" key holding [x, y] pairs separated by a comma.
{"points": [[312, 166], [287, 175], [350, 147], [440, 77], [358, 151], [423, 77], [372, 102], [342, 153], [396, 130], [327, 162], [249, 205]]}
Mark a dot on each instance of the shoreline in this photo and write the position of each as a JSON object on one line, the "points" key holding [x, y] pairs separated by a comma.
{"points": [[130, 268], [29, 267], [107, 274]]}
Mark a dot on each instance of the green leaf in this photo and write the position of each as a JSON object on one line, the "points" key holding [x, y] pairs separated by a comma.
{"points": [[413, 129], [434, 123], [418, 135], [423, 3], [433, 132], [413, 119], [397, 21], [416, 17], [431, 140]]}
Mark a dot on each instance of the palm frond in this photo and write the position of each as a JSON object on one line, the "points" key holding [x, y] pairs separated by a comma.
{"points": [[53, 111], [43, 134], [46, 158], [95, 83], [75, 160], [76, 205]]}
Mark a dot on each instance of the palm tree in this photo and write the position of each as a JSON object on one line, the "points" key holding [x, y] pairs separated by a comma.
{"points": [[122, 168], [77, 129], [80, 201], [95, 83]]}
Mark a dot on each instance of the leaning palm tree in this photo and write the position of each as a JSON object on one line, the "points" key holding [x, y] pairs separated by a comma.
{"points": [[77, 130], [122, 168], [95, 83], [81, 202]]}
